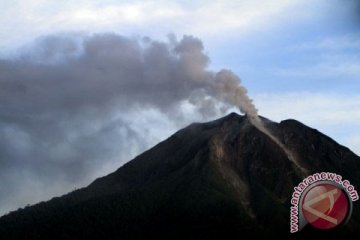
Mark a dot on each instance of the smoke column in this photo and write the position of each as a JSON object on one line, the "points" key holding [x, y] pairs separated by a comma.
{"points": [[224, 85], [228, 88]]}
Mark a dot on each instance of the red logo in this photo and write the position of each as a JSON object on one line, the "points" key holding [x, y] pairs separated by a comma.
{"points": [[325, 206]]}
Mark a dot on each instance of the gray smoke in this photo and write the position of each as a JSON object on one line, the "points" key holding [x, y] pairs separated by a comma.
{"points": [[228, 89], [70, 105]]}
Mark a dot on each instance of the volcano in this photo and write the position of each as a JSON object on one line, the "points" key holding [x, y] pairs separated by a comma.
{"points": [[211, 180]]}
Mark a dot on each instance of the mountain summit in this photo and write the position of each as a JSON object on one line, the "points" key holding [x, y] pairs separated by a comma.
{"points": [[209, 180]]}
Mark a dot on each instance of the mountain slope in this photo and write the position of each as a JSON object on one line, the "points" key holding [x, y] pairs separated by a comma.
{"points": [[208, 180]]}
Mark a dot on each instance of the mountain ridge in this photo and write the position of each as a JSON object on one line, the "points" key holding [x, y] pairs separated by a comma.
{"points": [[223, 177]]}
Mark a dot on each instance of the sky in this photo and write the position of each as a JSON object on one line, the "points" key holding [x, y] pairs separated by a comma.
{"points": [[87, 85]]}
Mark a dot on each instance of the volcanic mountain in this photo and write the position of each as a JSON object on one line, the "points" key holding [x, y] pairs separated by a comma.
{"points": [[220, 179]]}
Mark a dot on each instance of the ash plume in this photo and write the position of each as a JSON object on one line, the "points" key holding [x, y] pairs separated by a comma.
{"points": [[69, 105], [229, 89]]}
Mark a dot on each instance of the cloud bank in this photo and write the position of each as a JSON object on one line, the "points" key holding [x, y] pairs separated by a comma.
{"points": [[70, 105]]}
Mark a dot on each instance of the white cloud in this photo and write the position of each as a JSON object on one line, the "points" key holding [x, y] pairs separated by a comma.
{"points": [[313, 108], [29, 18], [332, 56], [238, 16], [330, 66], [343, 42], [337, 116]]}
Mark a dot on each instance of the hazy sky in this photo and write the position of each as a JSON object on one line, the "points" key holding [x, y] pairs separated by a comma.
{"points": [[86, 85]]}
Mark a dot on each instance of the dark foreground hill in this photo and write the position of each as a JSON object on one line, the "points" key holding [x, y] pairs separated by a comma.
{"points": [[213, 180]]}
